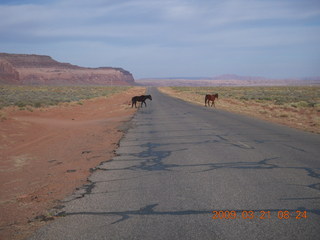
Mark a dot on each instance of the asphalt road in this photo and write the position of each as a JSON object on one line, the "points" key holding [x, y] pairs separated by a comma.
{"points": [[179, 163]]}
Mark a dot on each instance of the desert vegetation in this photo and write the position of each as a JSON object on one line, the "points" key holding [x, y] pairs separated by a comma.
{"points": [[294, 106], [27, 97]]}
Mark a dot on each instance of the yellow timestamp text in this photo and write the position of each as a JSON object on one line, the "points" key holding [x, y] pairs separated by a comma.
{"points": [[263, 214]]}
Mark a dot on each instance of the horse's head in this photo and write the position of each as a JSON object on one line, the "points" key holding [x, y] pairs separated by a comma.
{"points": [[216, 95], [149, 96]]}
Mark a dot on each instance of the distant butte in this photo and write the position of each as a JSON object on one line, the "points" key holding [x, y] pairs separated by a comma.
{"points": [[228, 80], [27, 69]]}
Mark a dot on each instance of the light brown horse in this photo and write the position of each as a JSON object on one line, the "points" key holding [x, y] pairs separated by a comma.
{"points": [[211, 98]]}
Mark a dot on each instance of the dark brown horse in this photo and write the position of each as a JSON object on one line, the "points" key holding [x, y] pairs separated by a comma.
{"points": [[141, 99], [211, 98]]}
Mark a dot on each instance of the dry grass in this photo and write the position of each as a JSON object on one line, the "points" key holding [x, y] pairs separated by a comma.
{"points": [[297, 107], [28, 97]]}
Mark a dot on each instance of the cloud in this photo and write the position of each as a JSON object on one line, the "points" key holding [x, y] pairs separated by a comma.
{"points": [[161, 30], [141, 19]]}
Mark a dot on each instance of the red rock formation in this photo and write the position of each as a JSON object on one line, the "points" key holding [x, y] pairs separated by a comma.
{"points": [[43, 70], [8, 74]]}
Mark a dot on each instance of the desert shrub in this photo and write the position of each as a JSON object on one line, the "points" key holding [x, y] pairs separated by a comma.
{"points": [[21, 104], [37, 104], [263, 112], [294, 105], [312, 104], [244, 98], [291, 96], [42, 96], [302, 104], [279, 102]]}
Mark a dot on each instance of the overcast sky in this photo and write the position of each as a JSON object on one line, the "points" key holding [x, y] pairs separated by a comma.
{"points": [[169, 38]]}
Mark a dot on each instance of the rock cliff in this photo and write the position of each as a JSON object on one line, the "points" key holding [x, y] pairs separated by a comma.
{"points": [[28, 69]]}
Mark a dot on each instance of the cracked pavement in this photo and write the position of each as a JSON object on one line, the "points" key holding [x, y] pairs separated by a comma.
{"points": [[179, 162]]}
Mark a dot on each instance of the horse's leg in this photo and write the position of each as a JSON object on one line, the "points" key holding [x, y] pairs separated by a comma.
{"points": [[205, 102]]}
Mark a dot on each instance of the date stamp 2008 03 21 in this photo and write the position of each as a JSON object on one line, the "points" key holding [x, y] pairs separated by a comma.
{"points": [[248, 214]]}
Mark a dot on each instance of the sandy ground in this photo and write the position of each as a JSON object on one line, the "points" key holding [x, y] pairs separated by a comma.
{"points": [[46, 154]]}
